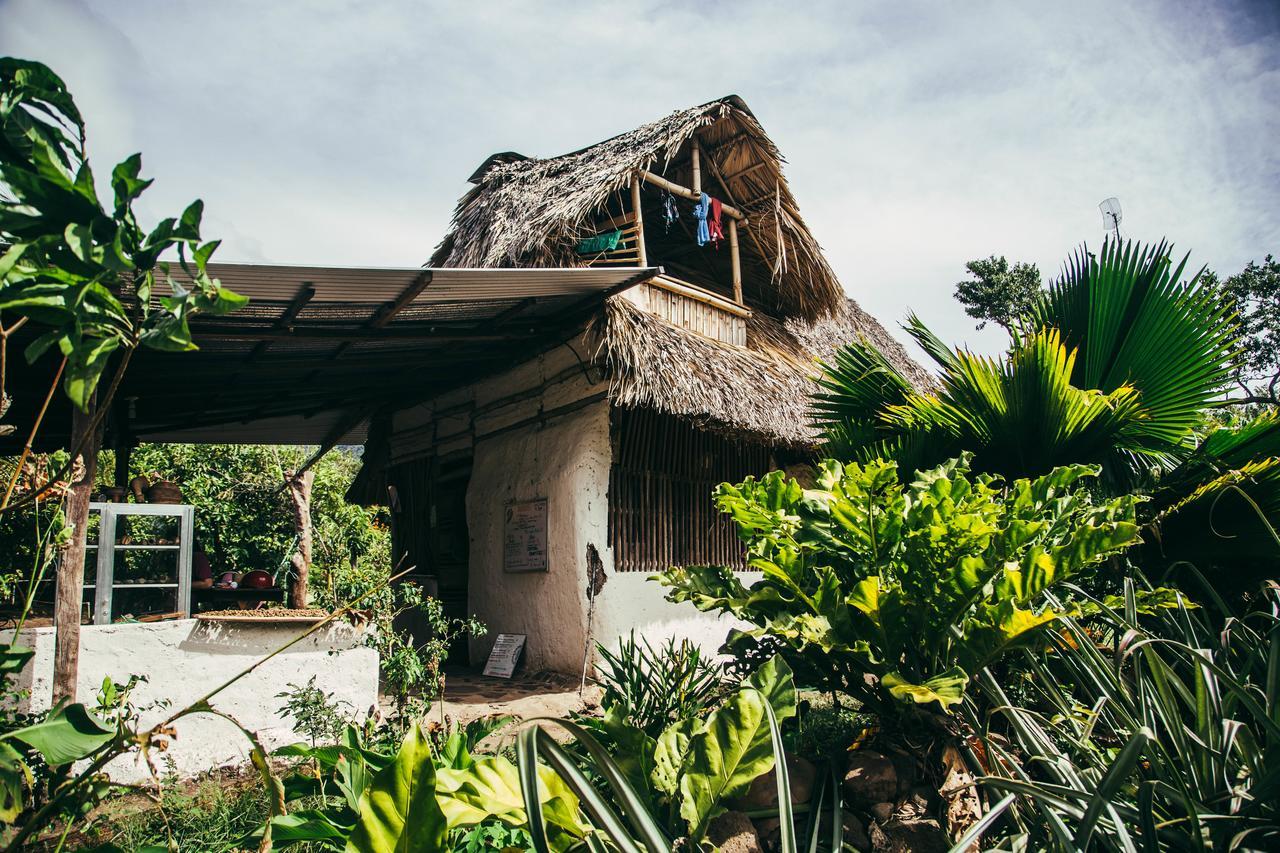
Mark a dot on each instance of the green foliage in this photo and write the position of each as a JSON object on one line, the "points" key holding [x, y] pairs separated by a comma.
{"points": [[1255, 292], [1155, 731], [999, 293], [314, 712], [398, 811], [825, 732], [244, 519], [920, 585], [652, 688], [698, 765], [494, 835], [1120, 359], [214, 816], [69, 260]]}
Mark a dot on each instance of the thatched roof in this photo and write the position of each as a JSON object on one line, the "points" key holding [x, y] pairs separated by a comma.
{"points": [[531, 212], [758, 392]]}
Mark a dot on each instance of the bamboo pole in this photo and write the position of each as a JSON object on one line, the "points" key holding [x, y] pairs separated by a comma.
{"points": [[639, 220], [695, 154], [736, 259], [69, 590], [685, 192]]}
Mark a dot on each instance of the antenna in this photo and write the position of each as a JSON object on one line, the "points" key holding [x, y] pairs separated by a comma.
{"points": [[1111, 215]]}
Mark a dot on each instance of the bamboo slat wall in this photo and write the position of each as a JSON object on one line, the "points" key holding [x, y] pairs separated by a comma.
{"points": [[661, 512]]}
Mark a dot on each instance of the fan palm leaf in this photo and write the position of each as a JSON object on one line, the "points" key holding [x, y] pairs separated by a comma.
{"points": [[1123, 358]]}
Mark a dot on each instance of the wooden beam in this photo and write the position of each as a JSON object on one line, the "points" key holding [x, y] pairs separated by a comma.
{"points": [[348, 335], [285, 322], [508, 313], [638, 213], [742, 173], [69, 589], [388, 312], [685, 192]]}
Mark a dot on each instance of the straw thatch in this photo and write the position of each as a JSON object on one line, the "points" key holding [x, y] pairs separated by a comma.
{"points": [[756, 393], [532, 212]]}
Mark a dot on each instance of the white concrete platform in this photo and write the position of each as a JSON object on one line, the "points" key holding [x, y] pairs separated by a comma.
{"points": [[184, 659]]}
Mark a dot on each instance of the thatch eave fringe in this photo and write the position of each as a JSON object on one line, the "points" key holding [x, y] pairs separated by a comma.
{"points": [[757, 393]]}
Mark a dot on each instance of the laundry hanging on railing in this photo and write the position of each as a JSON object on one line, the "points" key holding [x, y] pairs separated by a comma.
{"points": [[606, 242], [670, 210], [700, 212], [715, 226]]}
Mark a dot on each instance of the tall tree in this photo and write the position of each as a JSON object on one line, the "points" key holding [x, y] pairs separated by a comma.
{"points": [[1255, 291], [998, 292]]}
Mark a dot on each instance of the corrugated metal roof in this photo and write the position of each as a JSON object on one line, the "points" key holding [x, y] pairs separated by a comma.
{"points": [[299, 368]]}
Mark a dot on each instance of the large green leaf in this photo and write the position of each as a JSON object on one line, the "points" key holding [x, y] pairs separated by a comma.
{"points": [[946, 689], [399, 812], [490, 788], [68, 734], [732, 749], [670, 753]]}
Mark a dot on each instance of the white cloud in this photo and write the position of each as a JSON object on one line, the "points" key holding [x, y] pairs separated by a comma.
{"points": [[919, 135]]}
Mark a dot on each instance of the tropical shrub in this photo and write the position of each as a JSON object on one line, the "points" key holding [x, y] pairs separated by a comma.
{"points": [[1157, 731], [919, 585], [1122, 359], [653, 688], [648, 792], [1114, 365]]}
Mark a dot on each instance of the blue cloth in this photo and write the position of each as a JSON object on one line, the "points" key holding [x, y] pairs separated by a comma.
{"points": [[700, 211]]}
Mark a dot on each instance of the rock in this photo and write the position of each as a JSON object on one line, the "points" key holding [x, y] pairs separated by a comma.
{"points": [[763, 793], [733, 832], [770, 831], [881, 812], [905, 766], [909, 836], [855, 835], [870, 778]]}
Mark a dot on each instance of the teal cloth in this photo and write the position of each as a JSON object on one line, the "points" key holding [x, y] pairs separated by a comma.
{"points": [[606, 242]]}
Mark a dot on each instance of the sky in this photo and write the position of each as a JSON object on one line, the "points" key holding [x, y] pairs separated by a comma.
{"points": [[918, 135]]}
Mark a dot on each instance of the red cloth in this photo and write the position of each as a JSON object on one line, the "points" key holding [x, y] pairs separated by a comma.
{"points": [[714, 225], [200, 568]]}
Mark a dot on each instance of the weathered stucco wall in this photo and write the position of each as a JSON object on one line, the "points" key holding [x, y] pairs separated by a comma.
{"points": [[567, 462], [184, 659], [541, 430], [629, 600]]}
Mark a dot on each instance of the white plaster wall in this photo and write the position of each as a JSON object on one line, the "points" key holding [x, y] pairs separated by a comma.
{"points": [[631, 601], [566, 460], [184, 659]]}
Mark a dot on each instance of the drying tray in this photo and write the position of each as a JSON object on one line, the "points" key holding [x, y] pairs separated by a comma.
{"points": [[285, 616]]}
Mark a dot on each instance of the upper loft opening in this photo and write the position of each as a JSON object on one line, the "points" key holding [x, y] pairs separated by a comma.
{"points": [[535, 212]]}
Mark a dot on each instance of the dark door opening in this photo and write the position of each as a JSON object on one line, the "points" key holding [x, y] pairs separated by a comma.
{"points": [[450, 546], [430, 534]]}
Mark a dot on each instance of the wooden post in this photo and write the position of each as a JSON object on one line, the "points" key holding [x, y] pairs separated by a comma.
{"points": [[639, 218], [696, 154], [69, 592], [300, 497], [124, 454], [737, 261]]}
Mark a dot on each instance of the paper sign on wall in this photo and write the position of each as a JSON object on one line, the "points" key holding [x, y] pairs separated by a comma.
{"points": [[506, 653], [524, 537]]}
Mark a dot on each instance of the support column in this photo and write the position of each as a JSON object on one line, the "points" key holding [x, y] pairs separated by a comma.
{"points": [[695, 153], [639, 218], [69, 593], [736, 260], [300, 497]]}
